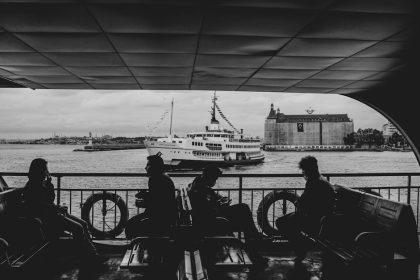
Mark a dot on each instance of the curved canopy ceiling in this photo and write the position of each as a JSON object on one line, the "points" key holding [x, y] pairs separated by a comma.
{"points": [[326, 46]]}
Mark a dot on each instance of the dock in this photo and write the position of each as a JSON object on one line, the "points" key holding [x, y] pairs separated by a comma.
{"points": [[110, 147]]}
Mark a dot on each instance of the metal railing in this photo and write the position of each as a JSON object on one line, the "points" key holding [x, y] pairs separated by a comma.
{"points": [[402, 187]]}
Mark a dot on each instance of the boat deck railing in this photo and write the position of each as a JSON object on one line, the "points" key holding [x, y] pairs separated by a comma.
{"points": [[72, 189]]}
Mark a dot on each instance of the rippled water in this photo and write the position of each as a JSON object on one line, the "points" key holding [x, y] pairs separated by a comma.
{"points": [[61, 158]]}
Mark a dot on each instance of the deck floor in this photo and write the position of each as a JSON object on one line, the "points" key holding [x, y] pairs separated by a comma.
{"points": [[281, 266]]}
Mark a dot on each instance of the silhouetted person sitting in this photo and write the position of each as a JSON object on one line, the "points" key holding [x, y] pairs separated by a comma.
{"points": [[39, 198], [207, 205], [316, 201], [161, 209]]}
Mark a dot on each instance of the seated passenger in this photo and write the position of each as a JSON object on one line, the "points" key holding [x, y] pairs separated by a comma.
{"points": [[161, 209], [39, 198], [316, 201], [207, 205]]}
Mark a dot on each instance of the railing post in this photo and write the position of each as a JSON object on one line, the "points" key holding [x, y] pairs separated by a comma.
{"points": [[58, 190], [409, 190], [240, 189], [240, 201]]}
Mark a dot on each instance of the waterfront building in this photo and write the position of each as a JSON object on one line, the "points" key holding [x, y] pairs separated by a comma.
{"points": [[388, 129], [307, 129]]}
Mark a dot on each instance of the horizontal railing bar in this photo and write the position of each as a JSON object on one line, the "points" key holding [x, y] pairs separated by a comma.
{"points": [[233, 175], [236, 189]]}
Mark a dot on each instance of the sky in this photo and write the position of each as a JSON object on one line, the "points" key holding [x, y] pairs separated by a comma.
{"points": [[30, 114]]}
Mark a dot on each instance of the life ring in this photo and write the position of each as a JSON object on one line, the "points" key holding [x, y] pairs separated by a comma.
{"points": [[264, 206], [118, 201]]}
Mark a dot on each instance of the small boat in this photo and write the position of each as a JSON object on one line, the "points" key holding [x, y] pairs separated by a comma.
{"points": [[214, 145]]}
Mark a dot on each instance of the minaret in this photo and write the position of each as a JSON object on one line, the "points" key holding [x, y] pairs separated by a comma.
{"points": [[90, 139]]}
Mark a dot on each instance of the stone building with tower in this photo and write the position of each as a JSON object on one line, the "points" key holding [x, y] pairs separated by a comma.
{"points": [[306, 130]]}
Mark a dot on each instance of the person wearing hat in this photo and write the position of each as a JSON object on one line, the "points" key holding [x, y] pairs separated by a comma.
{"points": [[161, 209], [207, 205]]}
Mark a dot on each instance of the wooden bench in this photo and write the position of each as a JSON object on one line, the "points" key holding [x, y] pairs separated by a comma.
{"points": [[22, 241], [146, 252], [191, 267], [215, 251], [369, 229], [149, 252], [224, 252]]}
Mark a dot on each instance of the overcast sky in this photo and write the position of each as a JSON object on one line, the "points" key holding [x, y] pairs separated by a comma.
{"points": [[26, 113]]}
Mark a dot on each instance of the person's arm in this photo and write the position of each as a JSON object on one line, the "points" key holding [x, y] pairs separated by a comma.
{"points": [[50, 198], [202, 205], [302, 203], [49, 189]]}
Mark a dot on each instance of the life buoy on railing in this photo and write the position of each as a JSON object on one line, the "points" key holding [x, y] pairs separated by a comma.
{"points": [[108, 231], [264, 206]]}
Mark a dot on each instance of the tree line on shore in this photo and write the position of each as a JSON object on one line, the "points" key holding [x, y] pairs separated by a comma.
{"points": [[374, 138]]}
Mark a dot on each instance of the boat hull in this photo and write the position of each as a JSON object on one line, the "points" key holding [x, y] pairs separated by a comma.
{"points": [[177, 157], [199, 164]]}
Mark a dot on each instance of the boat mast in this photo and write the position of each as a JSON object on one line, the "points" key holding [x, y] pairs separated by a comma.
{"points": [[172, 113], [213, 113]]}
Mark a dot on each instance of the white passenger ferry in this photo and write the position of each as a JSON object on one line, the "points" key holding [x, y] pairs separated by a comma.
{"points": [[214, 145]]}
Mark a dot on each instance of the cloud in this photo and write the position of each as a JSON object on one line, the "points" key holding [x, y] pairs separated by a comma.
{"points": [[76, 112]]}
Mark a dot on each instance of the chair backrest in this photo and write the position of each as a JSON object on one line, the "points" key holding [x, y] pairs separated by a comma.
{"points": [[185, 207], [388, 213], [398, 219], [3, 184], [9, 200], [381, 214], [366, 210], [3, 204], [346, 199]]}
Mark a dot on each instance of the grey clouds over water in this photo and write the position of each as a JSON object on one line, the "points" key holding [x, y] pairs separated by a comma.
{"points": [[26, 113]]}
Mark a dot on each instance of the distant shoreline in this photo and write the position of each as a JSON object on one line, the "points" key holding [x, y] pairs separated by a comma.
{"points": [[331, 148]]}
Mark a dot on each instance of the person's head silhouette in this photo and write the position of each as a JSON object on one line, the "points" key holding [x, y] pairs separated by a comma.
{"points": [[309, 167], [155, 165], [38, 170], [210, 174]]}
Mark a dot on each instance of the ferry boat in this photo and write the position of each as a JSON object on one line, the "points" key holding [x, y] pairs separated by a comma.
{"points": [[214, 145]]}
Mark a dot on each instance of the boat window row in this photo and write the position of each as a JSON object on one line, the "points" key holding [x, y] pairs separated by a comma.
{"points": [[211, 135], [213, 145], [204, 154], [241, 146], [197, 143], [245, 140]]}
